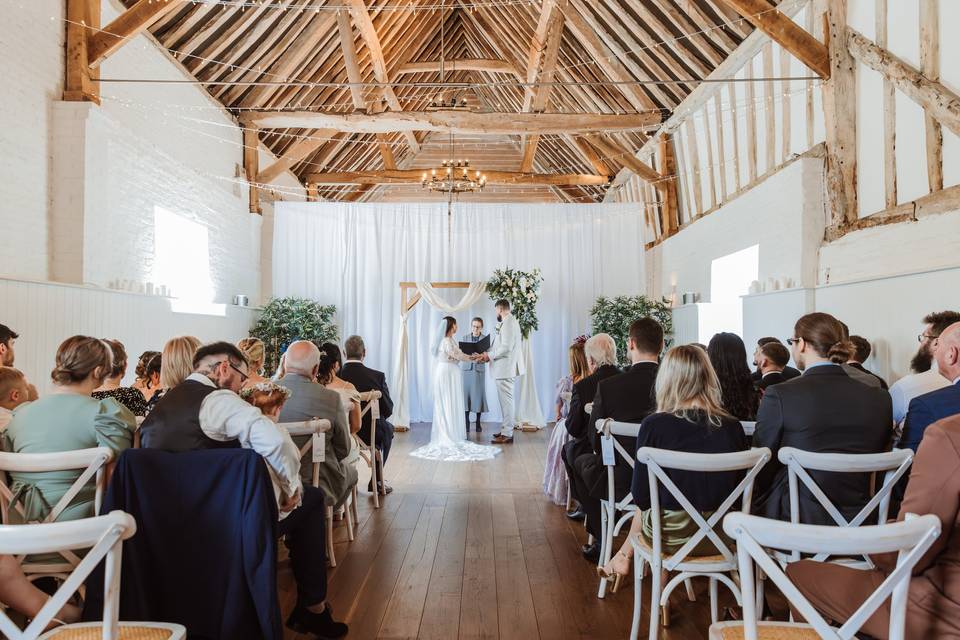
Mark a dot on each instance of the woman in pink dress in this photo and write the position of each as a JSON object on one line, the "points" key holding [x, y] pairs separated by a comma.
{"points": [[554, 474]]}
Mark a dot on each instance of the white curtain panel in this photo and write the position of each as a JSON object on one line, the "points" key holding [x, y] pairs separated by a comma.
{"points": [[354, 255]]}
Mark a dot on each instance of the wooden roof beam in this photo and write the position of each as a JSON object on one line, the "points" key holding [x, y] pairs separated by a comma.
{"points": [[785, 32], [297, 152], [414, 176], [627, 159], [462, 64], [462, 122], [134, 20], [543, 75]]}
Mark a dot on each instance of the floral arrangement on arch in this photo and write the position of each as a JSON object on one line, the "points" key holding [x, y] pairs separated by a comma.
{"points": [[522, 290], [614, 315]]}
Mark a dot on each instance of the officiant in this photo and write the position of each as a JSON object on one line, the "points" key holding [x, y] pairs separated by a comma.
{"points": [[474, 377]]}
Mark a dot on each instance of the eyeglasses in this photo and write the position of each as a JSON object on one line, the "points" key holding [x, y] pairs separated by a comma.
{"points": [[793, 341], [926, 336], [243, 376]]}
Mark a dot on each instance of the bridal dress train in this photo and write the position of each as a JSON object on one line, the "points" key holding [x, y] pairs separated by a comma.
{"points": [[448, 440]]}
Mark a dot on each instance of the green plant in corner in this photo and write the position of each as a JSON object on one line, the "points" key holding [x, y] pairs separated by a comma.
{"points": [[284, 320], [614, 315]]}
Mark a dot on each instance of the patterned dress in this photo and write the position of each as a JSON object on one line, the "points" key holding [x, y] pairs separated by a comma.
{"points": [[554, 473]]}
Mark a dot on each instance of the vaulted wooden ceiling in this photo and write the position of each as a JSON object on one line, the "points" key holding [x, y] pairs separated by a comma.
{"points": [[265, 55]]}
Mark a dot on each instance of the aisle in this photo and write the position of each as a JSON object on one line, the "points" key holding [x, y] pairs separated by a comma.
{"points": [[474, 550]]}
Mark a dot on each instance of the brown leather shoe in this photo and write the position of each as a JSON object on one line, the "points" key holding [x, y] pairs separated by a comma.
{"points": [[501, 439]]}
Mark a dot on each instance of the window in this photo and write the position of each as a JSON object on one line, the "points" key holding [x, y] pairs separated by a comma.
{"points": [[182, 261], [730, 278]]}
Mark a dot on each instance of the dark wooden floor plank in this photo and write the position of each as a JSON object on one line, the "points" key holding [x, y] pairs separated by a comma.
{"points": [[441, 615]]}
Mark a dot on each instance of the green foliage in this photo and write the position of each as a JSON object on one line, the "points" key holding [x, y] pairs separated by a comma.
{"points": [[522, 290], [285, 320], [614, 315]]}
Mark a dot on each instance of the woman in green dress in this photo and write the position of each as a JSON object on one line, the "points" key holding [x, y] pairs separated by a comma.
{"points": [[67, 419]]}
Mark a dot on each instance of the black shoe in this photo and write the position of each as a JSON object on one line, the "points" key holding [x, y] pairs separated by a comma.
{"points": [[479, 428], [576, 514], [322, 625], [591, 552]]}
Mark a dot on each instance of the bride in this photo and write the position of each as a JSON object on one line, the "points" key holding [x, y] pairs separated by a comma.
{"points": [[447, 440]]}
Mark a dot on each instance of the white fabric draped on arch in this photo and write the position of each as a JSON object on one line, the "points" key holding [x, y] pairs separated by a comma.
{"points": [[355, 255]]}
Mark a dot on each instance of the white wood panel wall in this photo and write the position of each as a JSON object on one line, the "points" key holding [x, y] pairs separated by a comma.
{"points": [[44, 314]]}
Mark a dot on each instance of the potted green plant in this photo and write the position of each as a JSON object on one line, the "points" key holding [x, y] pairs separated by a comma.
{"points": [[614, 315], [284, 320]]}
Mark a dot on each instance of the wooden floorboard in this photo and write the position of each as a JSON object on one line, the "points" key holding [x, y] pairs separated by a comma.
{"points": [[474, 550]]}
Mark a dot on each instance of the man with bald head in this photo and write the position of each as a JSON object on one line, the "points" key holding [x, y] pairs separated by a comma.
{"points": [[310, 399], [926, 409]]}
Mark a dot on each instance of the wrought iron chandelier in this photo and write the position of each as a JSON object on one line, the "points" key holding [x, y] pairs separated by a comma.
{"points": [[452, 176]]}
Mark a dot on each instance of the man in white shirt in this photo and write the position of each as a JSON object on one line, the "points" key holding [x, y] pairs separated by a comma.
{"points": [[205, 412], [13, 392], [927, 376]]}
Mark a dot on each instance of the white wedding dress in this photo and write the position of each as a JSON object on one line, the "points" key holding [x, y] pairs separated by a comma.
{"points": [[448, 440]]}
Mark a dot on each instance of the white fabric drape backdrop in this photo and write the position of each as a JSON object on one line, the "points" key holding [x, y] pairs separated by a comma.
{"points": [[355, 255]]}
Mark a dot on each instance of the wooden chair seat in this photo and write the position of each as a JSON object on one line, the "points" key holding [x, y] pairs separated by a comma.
{"points": [[127, 632], [765, 631]]}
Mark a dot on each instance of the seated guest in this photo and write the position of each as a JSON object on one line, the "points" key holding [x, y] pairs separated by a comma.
{"points": [[7, 337], [331, 363], [857, 373], [68, 419], [933, 599], [789, 373], [205, 412], [626, 397], [601, 353], [254, 350], [129, 397], [862, 350], [689, 418], [930, 407], [308, 400], [366, 379], [554, 473], [176, 363], [147, 374], [18, 593], [728, 356], [925, 377], [13, 393], [824, 411], [771, 359]]}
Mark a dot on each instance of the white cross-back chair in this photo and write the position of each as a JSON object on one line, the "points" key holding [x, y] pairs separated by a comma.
{"points": [[370, 404], [610, 524], [91, 463], [104, 536], [754, 535], [749, 427], [893, 464], [715, 567], [565, 396], [309, 428]]}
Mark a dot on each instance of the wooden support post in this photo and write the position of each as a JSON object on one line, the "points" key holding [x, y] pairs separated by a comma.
{"points": [[840, 117], [312, 192], [930, 66], [251, 162], [889, 116], [667, 165], [80, 82]]}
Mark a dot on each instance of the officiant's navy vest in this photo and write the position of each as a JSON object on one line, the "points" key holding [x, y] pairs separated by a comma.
{"points": [[174, 424]]}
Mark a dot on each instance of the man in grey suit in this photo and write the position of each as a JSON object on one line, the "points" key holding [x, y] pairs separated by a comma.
{"points": [[474, 378], [310, 399]]}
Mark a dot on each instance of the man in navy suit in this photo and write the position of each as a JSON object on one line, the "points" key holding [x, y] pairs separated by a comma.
{"points": [[926, 409]]}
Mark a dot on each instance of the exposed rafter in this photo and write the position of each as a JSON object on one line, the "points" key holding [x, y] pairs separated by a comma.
{"points": [[128, 24], [413, 176], [487, 65]]}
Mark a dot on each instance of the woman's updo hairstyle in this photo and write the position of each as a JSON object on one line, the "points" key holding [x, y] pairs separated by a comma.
{"points": [[119, 358], [80, 356], [825, 334], [254, 350], [330, 359], [144, 362]]}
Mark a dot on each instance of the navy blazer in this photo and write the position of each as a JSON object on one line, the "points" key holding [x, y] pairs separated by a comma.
{"points": [[205, 551], [925, 410]]}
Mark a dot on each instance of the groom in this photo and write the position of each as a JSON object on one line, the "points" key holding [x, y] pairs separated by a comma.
{"points": [[506, 363]]}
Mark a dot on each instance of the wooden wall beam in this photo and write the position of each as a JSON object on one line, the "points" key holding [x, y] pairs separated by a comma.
{"points": [[840, 117], [414, 176], [251, 163], [667, 164], [889, 114], [83, 20], [457, 121], [938, 101], [930, 66], [134, 20], [785, 32]]}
